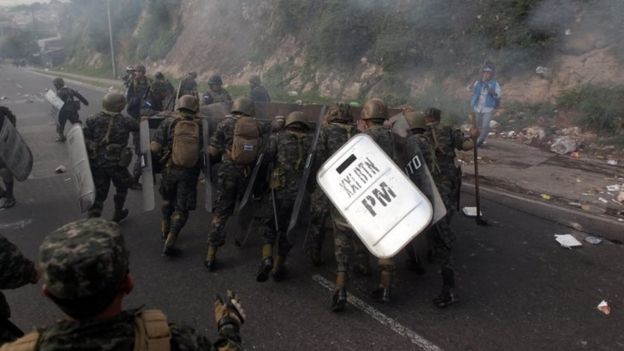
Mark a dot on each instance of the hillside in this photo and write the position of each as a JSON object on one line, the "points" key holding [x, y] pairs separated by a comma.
{"points": [[416, 51]]}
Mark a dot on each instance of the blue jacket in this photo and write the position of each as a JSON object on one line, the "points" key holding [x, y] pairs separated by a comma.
{"points": [[490, 101]]}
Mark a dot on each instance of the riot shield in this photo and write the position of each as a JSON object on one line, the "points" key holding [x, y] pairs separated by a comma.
{"points": [[146, 165], [417, 170], [54, 100], [382, 205], [206, 165], [14, 152], [81, 171]]}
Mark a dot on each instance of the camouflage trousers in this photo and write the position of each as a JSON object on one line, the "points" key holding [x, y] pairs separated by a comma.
{"points": [[231, 183], [348, 247], [178, 189], [319, 213], [102, 178], [284, 203]]}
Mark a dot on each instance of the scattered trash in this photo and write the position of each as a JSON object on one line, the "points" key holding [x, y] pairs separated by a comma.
{"points": [[575, 155], [60, 169], [613, 187], [564, 145], [620, 196], [593, 240], [568, 32], [470, 211], [3, 98], [603, 200], [577, 226], [575, 204], [586, 207], [612, 162], [293, 93], [542, 71], [67, 179], [604, 307], [546, 197], [533, 133], [494, 124], [567, 240]]}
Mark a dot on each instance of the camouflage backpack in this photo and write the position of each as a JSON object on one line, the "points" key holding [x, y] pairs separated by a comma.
{"points": [[246, 141], [185, 148]]}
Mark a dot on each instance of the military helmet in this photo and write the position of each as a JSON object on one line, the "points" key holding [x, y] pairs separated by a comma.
{"points": [[188, 103], [139, 68], [159, 75], [296, 117], [254, 80], [83, 259], [58, 82], [339, 112], [415, 120], [215, 79], [114, 102], [243, 106], [433, 115], [374, 109], [193, 74]]}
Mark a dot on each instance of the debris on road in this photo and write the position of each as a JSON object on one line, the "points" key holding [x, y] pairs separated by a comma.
{"points": [[564, 145], [604, 307], [593, 240], [613, 187], [603, 200], [470, 211], [546, 196], [567, 240], [3, 98], [612, 162], [60, 169]]}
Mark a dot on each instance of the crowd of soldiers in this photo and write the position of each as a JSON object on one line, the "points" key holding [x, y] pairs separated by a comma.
{"points": [[85, 263]]}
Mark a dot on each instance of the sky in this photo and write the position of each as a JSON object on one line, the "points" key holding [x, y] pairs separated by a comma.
{"points": [[19, 2]]}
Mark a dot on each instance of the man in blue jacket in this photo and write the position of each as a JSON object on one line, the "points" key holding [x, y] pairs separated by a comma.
{"points": [[486, 97]]}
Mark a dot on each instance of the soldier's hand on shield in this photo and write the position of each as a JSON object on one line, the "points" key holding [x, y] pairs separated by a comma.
{"points": [[229, 309], [474, 133]]}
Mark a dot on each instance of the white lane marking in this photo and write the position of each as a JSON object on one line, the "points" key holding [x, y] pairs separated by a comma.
{"points": [[377, 315], [17, 225]]}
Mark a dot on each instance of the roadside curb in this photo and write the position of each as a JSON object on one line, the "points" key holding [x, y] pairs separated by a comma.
{"points": [[586, 222], [87, 82]]}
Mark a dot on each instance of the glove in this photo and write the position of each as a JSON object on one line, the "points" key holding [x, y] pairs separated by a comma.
{"points": [[228, 310]]}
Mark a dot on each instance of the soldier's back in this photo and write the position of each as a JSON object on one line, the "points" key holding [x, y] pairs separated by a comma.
{"points": [[120, 128], [333, 136], [292, 149], [383, 137]]}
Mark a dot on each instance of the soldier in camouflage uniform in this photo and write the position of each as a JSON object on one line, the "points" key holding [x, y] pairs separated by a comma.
{"points": [[257, 92], [440, 158], [372, 119], [287, 152], [178, 187], [336, 132], [216, 93], [138, 91], [7, 197], [232, 179], [69, 112], [85, 265], [106, 136], [188, 85], [162, 95], [16, 271]]}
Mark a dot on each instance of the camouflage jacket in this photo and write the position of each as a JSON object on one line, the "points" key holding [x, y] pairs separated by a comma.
{"points": [[444, 141], [384, 138], [288, 150], [188, 86], [161, 95], [16, 271], [212, 97], [137, 92], [164, 136], [105, 147], [331, 138], [118, 333]]}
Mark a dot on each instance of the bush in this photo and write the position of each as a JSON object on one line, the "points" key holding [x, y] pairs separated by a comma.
{"points": [[600, 107]]}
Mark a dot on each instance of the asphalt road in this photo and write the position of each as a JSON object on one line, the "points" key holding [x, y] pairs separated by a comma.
{"points": [[519, 289]]}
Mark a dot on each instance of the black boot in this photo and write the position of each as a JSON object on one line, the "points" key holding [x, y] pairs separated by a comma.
{"points": [[120, 215], [339, 300], [382, 293], [315, 256], [446, 298], [211, 258], [279, 270], [265, 268], [169, 245]]}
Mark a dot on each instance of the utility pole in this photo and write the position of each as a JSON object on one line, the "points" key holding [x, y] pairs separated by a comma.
{"points": [[110, 35]]}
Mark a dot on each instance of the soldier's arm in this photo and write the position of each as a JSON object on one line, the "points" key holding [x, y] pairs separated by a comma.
{"points": [[186, 338], [207, 98], [80, 97], [461, 142], [160, 137], [87, 129], [17, 270], [133, 124]]}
